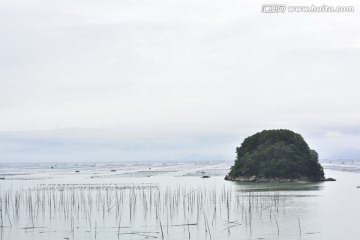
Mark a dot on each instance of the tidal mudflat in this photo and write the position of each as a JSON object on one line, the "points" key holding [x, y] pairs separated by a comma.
{"points": [[171, 201]]}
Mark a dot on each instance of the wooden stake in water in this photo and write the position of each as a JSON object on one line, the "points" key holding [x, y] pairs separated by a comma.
{"points": [[162, 233], [277, 225]]}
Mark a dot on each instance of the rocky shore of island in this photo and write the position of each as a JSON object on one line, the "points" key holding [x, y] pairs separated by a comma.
{"points": [[256, 179]]}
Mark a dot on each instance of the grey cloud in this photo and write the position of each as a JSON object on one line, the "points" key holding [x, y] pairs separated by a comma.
{"points": [[195, 73]]}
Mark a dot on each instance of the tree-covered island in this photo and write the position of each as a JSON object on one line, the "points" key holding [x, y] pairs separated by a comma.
{"points": [[276, 155]]}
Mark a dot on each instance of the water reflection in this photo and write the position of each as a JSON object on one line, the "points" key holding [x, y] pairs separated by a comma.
{"points": [[264, 187]]}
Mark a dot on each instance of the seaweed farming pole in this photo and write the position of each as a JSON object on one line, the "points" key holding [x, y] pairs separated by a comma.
{"points": [[162, 233]]}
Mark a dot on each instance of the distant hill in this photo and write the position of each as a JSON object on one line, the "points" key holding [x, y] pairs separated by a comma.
{"points": [[276, 154]]}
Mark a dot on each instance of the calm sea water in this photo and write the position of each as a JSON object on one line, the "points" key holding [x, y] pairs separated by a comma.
{"points": [[171, 201]]}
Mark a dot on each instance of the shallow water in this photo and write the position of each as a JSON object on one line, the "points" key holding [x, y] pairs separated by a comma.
{"points": [[170, 201]]}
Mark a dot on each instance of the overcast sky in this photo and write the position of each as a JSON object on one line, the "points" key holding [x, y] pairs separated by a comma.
{"points": [[165, 80]]}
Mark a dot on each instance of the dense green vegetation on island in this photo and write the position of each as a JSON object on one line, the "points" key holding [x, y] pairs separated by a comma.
{"points": [[276, 154]]}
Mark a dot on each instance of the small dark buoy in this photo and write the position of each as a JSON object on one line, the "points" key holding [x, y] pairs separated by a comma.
{"points": [[205, 176], [77, 171]]}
